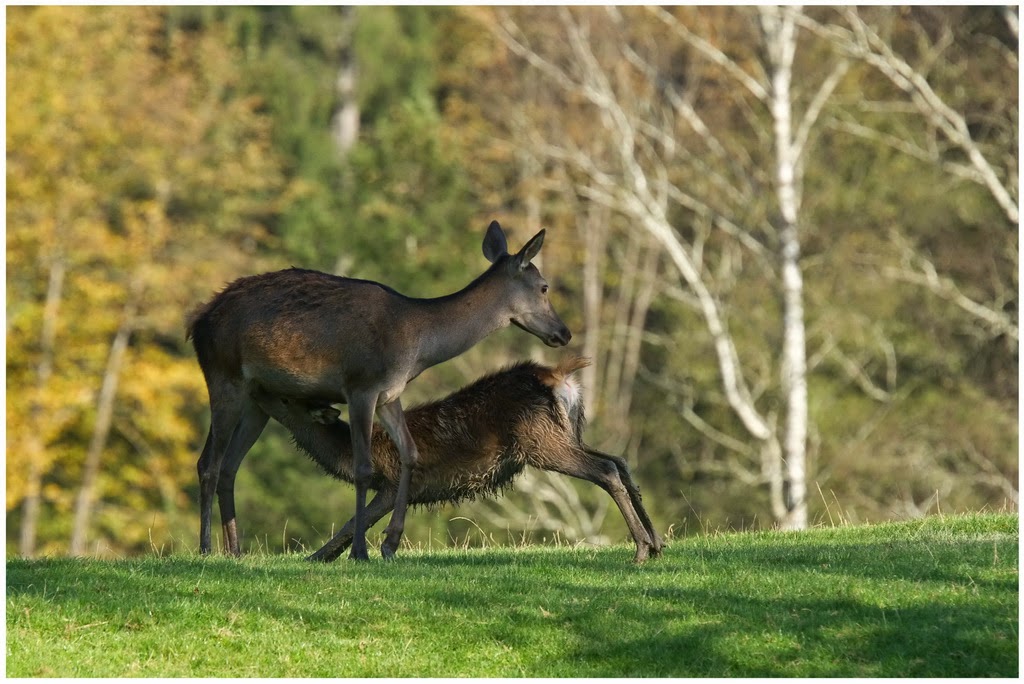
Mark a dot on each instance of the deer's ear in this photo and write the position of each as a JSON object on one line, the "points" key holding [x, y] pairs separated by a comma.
{"points": [[530, 250], [495, 245]]}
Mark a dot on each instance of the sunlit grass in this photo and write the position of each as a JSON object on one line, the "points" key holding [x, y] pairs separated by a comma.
{"points": [[936, 597]]}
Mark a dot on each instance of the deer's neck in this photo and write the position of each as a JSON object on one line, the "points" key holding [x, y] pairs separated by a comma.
{"points": [[450, 325], [329, 445]]}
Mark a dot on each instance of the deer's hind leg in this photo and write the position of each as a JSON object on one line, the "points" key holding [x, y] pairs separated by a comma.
{"points": [[604, 473], [250, 427], [393, 418], [634, 497], [226, 402]]}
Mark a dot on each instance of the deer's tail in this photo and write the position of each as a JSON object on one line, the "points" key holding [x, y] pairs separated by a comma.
{"points": [[565, 368], [567, 390], [198, 328]]}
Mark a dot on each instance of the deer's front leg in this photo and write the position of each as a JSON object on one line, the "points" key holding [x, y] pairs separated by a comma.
{"points": [[360, 414], [393, 418], [375, 510]]}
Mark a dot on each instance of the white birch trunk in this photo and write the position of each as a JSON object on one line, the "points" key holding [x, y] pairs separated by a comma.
{"points": [[345, 122], [780, 36]]}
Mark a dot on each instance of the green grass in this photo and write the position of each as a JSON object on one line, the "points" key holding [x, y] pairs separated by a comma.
{"points": [[937, 597]]}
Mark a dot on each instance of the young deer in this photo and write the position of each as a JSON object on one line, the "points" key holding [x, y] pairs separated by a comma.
{"points": [[314, 336], [472, 443]]}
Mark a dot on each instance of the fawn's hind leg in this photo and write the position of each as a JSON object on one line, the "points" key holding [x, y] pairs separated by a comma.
{"points": [[634, 497], [605, 474]]}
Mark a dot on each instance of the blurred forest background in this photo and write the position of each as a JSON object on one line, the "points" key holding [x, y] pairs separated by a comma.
{"points": [[788, 239]]}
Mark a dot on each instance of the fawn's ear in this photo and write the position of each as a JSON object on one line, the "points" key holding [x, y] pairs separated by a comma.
{"points": [[530, 250], [495, 245]]}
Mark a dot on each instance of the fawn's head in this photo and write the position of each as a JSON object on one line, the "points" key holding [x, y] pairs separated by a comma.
{"points": [[527, 290]]}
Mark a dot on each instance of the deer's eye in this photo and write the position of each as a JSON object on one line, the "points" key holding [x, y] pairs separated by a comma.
{"points": [[543, 289]]}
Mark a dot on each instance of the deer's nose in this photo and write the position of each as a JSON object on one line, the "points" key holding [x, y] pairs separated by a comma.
{"points": [[561, 337]]}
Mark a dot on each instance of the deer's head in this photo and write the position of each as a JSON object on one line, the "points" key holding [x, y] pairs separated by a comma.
{"points": [[527, 291]]}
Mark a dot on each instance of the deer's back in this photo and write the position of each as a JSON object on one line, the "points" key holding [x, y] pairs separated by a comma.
{"points": [[475, 441], [297, 328]]}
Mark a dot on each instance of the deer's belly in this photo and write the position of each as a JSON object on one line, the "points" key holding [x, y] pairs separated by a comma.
{"points": [[321, 384]]}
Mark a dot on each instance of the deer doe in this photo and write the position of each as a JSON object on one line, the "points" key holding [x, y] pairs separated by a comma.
{"points": [[316, 337], [472, 443]]}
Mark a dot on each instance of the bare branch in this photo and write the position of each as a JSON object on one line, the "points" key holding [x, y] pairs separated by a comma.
{"points": [[685, 402], [920, 271], [507, 32], [855, 371], [862, 42], [991, 473], [997, 321], [968, 173], [711, 52], [824, 92]]}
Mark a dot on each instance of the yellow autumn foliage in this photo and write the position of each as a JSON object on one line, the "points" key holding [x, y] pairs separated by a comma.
{"points": [[132, 166]]}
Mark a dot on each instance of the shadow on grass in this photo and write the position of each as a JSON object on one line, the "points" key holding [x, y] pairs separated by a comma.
{"points": [[891, 609], [726, 634], [633, 631]]}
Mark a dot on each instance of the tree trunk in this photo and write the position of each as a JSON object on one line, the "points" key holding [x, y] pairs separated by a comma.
{"points": [[36, 455], [345, 122], [104, 416], [637, 324], [594, 228], [628, 267], [780, 36]]}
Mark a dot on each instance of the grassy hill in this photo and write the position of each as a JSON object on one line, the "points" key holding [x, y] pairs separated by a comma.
{"points": [[936, 597]]}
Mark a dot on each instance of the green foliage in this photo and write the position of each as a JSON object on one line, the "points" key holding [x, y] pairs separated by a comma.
{"points": [[931, 598], [396, 49], [407, 202]]}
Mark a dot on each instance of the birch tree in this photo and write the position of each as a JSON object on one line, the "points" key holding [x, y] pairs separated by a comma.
{"points": [[661, 142], [345, 122], [780, 47]]}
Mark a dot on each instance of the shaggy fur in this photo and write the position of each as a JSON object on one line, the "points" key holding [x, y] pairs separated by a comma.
{"points": [[473, 443]]}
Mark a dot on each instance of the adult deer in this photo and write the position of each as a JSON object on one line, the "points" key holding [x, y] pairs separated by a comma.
{"points": [[314, 336], [474, 442]]}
